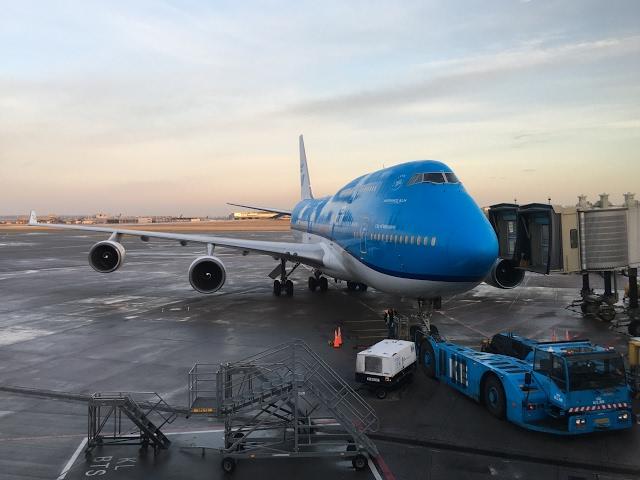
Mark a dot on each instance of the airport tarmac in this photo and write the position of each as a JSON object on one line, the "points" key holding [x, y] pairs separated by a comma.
{"points": [[67, 331]]}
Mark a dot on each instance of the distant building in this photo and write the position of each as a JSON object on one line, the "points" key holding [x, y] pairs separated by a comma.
{"points": [[252, 215], [145, 219]]}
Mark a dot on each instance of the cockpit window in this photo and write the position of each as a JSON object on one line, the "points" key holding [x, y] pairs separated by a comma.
{"points": [[451, 177], [433, 177]]}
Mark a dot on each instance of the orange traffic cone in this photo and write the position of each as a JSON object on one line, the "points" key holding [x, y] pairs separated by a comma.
{"points": [[340, 336], [554, 337], [336, 339]]}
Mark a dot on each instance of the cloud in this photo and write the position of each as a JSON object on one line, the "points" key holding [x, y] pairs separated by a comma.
{"points": [[449, 77]]}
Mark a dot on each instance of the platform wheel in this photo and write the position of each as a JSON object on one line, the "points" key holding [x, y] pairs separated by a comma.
{"points": [[277, 288], [494, 397], [359, 462], [288, 288], [607, 313], [381, 393], [427, 358], [324, 284], [228, 464], [313, 284]]}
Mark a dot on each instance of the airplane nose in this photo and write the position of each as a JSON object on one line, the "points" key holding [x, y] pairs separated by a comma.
{"points": [[473, 249]]}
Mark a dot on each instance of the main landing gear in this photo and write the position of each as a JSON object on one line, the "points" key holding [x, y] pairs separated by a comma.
{"points": [[353, 286], [284, 284], [318, 282]]}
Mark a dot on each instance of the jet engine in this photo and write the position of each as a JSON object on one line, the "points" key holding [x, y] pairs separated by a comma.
{"points": [[106, 256], [207, 274], [504, 274]]}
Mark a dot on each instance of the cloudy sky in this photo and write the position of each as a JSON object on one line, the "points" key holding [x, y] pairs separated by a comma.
{"points": [[154, 107]]}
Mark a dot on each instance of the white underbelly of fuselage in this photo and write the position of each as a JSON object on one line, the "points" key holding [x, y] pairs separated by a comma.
{"points": [[342, 265]]}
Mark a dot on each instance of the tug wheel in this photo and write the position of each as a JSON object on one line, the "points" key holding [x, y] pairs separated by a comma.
{"points": [[228, 464], [427, 358], [493, 397], [359, 462], [313, 284], [324, 284], [381, 393]]}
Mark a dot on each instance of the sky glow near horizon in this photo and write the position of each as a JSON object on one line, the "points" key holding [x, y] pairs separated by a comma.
{"points": [[156, 107]]}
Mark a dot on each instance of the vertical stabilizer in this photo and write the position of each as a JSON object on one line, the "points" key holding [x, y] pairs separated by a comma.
{"points": [[305, 183]]}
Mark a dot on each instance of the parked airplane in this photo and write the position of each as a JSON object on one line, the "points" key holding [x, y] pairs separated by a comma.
{"points": [[411, 229]]}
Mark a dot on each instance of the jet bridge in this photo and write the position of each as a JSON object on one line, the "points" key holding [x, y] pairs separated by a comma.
{"points": [[586, 238]]}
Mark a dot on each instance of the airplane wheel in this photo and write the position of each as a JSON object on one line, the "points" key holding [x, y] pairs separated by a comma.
{"points": [[277, 288], [313, 284], [493, 396], [288, 287], [351, 286], [324, 284]]}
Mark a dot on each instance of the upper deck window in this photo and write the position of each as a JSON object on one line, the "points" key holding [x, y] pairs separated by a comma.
{"points": [[433, 177]]}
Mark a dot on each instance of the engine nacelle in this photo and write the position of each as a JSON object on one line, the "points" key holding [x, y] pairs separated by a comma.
{"points": [[504, 274], [106, 256], [207, 274]]}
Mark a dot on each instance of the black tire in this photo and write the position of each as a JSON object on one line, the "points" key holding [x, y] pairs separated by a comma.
{"points": [[277, 288], [313, 284], [607, 313], [427, 359], [228, 464], [351, 286], [634, 328], [493, 397], [359, 462], [362, 287], [324, 284], [288, 287], [381, 393]]}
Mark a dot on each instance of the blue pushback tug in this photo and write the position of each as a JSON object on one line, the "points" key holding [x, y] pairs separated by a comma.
{"points": [[566, 388]]}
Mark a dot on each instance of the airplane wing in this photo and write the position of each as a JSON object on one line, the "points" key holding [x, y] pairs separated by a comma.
{"points": [[278, 211], [309, 254]]}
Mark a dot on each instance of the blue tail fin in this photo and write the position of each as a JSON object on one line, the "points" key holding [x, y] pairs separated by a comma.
{"points": [[305, 183]]}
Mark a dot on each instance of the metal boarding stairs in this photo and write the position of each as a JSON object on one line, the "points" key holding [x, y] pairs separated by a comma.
{"points": [[128, 418], [285, 401]]}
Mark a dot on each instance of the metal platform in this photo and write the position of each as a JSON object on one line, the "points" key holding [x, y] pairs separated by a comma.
{"points": [[284, 402], [128, 418]]}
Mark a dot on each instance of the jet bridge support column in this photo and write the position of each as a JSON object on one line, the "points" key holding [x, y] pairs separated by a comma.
{"points": [[586, 289], [633, 288]]}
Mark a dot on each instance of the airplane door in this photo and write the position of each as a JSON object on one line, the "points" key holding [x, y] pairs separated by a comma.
{"points": [[363, 241]]}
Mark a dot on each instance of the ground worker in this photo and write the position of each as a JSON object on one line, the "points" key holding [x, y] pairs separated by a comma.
{"points": [[390, 322]]}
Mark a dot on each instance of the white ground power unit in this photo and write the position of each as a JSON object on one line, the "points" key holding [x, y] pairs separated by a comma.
{"points": [[386, 365]]}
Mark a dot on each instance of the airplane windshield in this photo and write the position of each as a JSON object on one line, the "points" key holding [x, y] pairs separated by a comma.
{"points": [[596, 370]]}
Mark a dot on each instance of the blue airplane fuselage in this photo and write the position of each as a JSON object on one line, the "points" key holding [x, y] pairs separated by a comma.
{"points": [[411, 229]]}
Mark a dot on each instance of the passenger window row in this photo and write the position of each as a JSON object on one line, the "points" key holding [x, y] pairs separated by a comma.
{"points": [[403, 239]]}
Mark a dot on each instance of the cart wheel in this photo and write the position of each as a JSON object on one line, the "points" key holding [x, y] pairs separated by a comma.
{"points": [[427, 359], [381, 393], [228, 464], [359, 462], [607, 313], [493, 396]]}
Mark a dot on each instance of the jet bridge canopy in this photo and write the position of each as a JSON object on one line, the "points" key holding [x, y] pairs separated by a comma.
{"points": [[528, 235]]}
